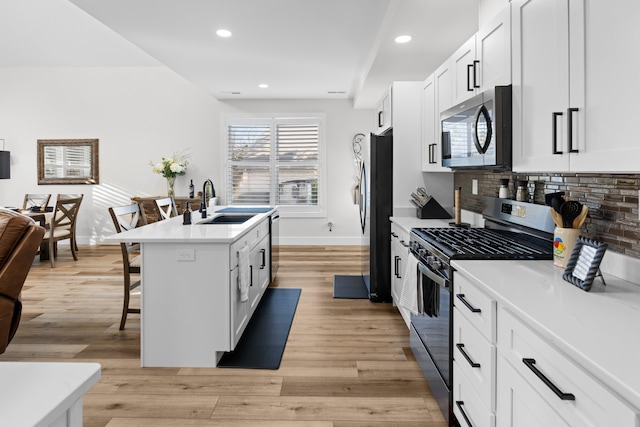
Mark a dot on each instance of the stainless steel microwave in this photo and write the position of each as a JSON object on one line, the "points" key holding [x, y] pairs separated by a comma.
{"points": [[476, 134]]}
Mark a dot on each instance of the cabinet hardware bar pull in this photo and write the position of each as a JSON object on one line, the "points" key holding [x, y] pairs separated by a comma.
{"points": [[394, 234], [264, 258], [397, 258], [570, 112], [530, 364], [554, 131], [380, 121], [404, 244], [469, 306], [432, 154], [459, 404], [475, 72], [466, 356], [251, 275], [469, 67]]}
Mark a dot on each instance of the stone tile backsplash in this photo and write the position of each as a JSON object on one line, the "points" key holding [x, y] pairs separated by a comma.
{"points": [[612, 200]]}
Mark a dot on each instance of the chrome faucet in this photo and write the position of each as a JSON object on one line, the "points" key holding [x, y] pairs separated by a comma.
{"points": [[203, 204]]}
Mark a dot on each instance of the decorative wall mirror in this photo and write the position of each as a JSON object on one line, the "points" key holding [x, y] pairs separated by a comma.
{"points": [[68, 161]]}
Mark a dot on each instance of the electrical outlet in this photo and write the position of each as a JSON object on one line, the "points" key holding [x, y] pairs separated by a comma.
{"points": [[186, 255], [474, 186]]}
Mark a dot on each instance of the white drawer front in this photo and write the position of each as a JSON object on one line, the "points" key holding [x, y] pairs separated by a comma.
{"points": [[467, 406], [476, 306], [403, 236], [479, 364], [592, 404]]}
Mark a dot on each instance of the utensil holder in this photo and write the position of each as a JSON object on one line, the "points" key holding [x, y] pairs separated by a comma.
{"points": [[564, 239]]}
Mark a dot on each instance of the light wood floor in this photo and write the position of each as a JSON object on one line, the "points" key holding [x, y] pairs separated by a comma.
{"points": [[347, 362]]}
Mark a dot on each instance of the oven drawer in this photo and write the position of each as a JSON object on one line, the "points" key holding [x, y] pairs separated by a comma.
{"points": [[592, 403], [476, 306], [467, 406], [475, 359]]}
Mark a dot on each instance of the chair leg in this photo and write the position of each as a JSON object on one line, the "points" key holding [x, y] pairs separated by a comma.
{"points": [[125, 305], [52, 253], [72, 245]]}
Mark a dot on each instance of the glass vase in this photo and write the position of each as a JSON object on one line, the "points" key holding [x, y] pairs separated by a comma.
{"points": [[170, 184]]}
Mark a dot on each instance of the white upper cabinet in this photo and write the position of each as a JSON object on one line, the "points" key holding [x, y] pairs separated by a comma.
{"points": [[572, 78], [384, 113], [431, 151], [484, 61]]}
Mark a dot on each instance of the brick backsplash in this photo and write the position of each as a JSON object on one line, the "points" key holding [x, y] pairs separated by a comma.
{"points": [[612, 200]]}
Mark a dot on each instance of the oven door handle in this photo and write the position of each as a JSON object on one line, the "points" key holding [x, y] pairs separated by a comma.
{"points": [[432, 275]]}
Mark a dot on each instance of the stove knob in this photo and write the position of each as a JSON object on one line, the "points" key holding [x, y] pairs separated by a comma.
{"points": [[422, 252], [434, 262]]}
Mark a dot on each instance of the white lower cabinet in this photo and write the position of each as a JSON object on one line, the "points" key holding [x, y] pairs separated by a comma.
{"points": [[467, 405], [474, 354], [564, 393], [506, 374], [399, 256]]}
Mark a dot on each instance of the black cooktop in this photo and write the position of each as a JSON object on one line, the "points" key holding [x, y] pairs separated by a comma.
{"points": [[485, 243]]}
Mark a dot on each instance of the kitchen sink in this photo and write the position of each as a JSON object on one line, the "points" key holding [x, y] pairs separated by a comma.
{"points": [[227, 219]]}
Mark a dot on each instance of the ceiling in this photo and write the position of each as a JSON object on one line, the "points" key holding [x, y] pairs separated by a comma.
{"points": [[302, 49]]}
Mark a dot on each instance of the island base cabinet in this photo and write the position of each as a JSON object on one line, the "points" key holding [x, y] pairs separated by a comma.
{"points": [[239, 309], [185, 310], [539, 385]]}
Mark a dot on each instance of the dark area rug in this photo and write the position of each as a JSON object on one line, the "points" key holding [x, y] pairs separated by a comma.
{"points": [[263, 341], [349, 287]]}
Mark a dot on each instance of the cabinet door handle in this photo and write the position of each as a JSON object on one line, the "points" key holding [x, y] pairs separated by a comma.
{"points": [[402, 242], [554, 131], [469, 68], [432, 154], [570, 112], [459, 404], [264, 258], [394, 234], [380, 121], [475, 73], [466, 356], [396, 267], [530, 363], [469, 306], [251, 275]]}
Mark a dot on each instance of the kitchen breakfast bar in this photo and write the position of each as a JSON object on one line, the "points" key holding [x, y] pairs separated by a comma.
{"points": [[200, 283]]}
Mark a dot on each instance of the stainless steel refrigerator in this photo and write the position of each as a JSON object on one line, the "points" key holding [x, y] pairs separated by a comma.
{"points": [[376, 206]]}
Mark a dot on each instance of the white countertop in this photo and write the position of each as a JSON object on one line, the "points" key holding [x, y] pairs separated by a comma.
{"points": [[38, 393], [172, 230], [597, 329], [409, 222]]}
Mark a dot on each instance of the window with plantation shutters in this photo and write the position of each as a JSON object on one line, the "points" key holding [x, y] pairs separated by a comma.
{"points": [[275, 161]]}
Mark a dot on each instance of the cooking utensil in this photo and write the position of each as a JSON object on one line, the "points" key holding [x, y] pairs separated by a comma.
{"points": [[579, 220], [554, 200], [557, 218], [570, 211]]}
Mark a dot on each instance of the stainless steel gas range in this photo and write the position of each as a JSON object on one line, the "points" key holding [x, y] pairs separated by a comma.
{"points": [[513, 230]]}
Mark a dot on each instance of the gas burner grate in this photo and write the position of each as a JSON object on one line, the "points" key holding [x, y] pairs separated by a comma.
{"points": [[483, 243]]}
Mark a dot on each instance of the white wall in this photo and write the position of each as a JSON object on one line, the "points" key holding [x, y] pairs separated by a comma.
{"points": [[141, 114]]}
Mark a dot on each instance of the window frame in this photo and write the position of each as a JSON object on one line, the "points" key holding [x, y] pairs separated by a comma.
{"points": [[292, 211]]}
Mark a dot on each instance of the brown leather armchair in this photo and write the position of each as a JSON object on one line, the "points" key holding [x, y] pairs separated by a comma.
{"points": [[20, 239]]}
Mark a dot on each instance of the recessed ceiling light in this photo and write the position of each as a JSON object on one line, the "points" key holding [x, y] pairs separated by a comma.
{"points": [[263, 86], [223, 33], [403, 39]]}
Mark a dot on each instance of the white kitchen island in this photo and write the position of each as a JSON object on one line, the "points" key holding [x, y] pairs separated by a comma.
{"points": [[191, 307]]}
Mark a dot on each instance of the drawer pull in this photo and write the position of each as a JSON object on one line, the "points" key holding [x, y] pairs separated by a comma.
{"points": [[459, 404], [564, 396], [394, 234], [466, 356], [469, 306]]}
